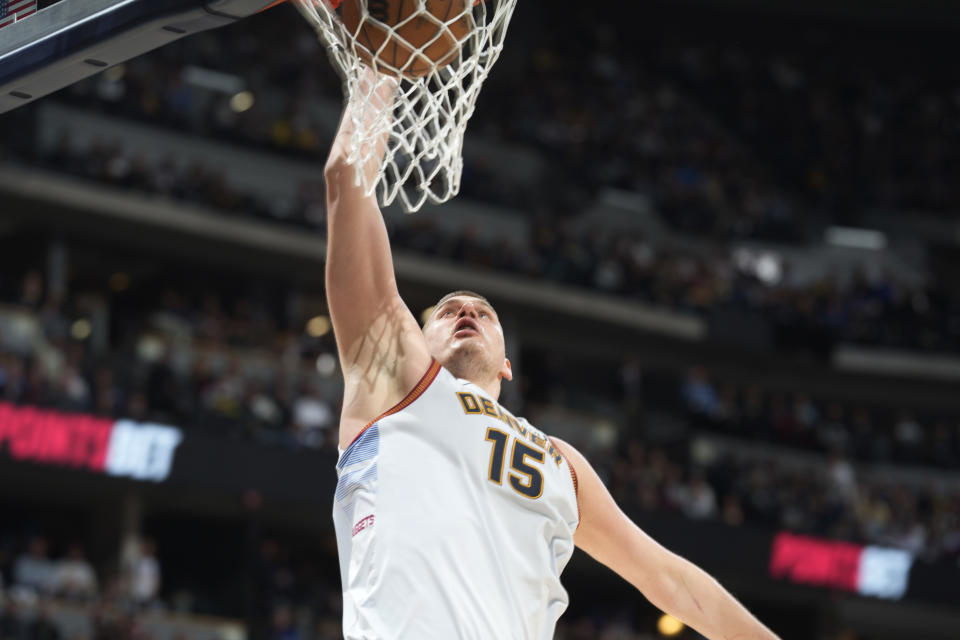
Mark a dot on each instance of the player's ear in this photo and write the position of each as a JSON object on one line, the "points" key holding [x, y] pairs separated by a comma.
{"points": [[506, 371]]}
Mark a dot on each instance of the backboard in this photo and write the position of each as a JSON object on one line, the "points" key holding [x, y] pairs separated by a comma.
{"points": [[73, 39]]}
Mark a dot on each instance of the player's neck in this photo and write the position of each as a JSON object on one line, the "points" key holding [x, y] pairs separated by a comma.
{"points": [[489, 384], [492, 388]]}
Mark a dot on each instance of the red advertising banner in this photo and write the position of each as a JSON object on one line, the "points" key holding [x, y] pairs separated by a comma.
{"points": [[869, 571], [142, 451]]}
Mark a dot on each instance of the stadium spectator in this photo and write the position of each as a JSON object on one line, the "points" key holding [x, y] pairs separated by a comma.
{"points": [[74, 578], [700, 501], [700, 395], [284, 627], [144, 577], [909, 438], [842, 479], [33, 569], [31, 293], [312, 418]]}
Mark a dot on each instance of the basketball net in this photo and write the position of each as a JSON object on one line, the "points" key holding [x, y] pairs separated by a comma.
{"points": [[424, 129]]}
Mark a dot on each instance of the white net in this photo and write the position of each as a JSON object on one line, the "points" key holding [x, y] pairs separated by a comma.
{"points": [[437, 53]]}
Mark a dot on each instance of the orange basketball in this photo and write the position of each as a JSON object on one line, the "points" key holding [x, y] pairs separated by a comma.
{"points": [[425, 33]]}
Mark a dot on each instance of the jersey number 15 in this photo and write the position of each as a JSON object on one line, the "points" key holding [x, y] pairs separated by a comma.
{"points": [[524, 478]]}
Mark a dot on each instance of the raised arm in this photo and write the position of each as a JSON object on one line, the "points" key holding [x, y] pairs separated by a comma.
{"points": [[673, 584], [382, 351]]}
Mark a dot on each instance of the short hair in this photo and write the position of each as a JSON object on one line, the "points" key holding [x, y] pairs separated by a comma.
{"points": [[461, 292], [454, 294]]}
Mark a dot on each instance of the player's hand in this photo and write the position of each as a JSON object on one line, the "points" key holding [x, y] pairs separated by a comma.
{"points": [[371, 109]]}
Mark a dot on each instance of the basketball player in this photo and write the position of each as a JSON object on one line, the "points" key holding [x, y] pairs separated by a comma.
{"points": [[454, 518]]}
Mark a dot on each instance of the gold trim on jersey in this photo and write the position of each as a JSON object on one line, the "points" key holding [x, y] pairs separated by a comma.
{"points": [[415, 393], [573, 476]]}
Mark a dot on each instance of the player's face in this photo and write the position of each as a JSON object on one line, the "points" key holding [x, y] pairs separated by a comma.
{"points": [[464, 335]]}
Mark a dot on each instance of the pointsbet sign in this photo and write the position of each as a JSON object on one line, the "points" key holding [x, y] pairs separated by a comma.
{"points": [[123, 448], [870, 571]]}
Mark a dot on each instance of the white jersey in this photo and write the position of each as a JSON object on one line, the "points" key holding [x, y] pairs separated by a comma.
{"points": [[454, 520]]}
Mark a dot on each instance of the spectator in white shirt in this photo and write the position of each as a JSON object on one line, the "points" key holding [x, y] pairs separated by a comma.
{"points": [[312, 417], [75, 578], [701, 501], [144, 573], [33, 569], [842, 478]]}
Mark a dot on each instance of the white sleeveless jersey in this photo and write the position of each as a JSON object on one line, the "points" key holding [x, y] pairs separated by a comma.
{"points": [[454, 520]]}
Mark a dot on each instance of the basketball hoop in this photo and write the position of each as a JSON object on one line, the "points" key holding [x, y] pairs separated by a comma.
{"points": [[435, 93]]}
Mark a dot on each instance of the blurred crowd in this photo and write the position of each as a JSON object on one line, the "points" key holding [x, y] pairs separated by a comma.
{"points": [[290, 599], [228, 368], [826, 499], [283, 595], [572, 98], [737, 132], [800, 463], [879, 309], [71, 577], [288, 596], [854, 126], [221, 401], [33, 585], [725, 143], [705, 121], [796, 420]]}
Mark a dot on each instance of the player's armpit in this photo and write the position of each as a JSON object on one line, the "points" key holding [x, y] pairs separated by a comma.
{"points": [[670, 582], [383, 363]]}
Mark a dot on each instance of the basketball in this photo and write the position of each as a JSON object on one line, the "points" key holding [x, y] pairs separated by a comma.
{"points": [[409, 37]]}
